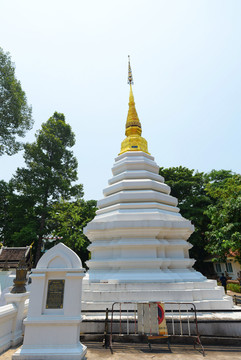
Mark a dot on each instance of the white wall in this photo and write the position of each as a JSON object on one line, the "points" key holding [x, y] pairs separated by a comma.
{"points": [[222, 268], [8, 313], [11, 319]]}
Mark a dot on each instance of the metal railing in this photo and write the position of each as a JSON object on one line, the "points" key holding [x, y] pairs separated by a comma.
{"points": [[181, 320], [237, 299]]}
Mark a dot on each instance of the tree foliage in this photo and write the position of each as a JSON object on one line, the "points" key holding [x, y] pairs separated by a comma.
{"points": [[190, 188], [224, 235], [18, 223], [67, 219], [50, 170], [15, 114]]}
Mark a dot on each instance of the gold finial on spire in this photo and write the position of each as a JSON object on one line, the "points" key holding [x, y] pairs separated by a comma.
{"points": [[133, 140]]}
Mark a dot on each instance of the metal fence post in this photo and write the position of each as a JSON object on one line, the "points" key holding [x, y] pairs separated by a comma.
{"points": [[106, 340]]}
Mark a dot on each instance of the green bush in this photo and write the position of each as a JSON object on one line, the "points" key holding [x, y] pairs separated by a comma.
{"points": [[234, 287]]}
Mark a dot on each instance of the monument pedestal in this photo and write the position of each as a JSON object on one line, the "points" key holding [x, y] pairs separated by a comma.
{"points": [[53, 352], [52, 328], [206, 295]]}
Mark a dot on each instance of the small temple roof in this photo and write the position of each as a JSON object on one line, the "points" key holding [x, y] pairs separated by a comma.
{"points": [[13, 255]]}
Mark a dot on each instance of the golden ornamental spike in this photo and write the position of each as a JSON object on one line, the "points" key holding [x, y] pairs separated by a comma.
{"points": [[133, 140]]}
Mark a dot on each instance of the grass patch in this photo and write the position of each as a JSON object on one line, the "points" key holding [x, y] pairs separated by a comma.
{"points": [[234, 287]]}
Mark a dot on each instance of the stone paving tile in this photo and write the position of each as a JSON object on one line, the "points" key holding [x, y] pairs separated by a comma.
{"points": [[141, 352], [7, 355]]}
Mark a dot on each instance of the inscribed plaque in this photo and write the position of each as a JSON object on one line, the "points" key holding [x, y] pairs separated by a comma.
{"points": [[55, 294]]}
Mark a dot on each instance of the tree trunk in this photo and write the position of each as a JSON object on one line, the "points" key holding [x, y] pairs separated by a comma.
{"points": [[38, 251], [40, 238]]}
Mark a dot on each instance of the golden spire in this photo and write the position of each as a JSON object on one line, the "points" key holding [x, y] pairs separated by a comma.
{"points": [[133, 140], [132, 117]]}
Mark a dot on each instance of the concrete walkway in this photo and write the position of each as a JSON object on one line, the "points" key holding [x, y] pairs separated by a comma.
{"points": [[142, 352]]}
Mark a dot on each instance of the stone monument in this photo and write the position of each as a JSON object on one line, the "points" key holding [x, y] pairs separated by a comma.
{"points": [[139, 247], [52, 327]]}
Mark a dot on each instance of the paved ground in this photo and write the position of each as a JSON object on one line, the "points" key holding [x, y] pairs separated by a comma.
{"points": [[142, 352]]}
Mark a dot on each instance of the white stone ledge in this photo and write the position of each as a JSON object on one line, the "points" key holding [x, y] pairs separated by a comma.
{"points": [[137, 184], [134, 154], [136, 174], [8, 310], [37, 273], [132, 243], [137, 196], [124, 243], [138, 161], [94, 233], [155, 225], [177, 242], [164, 295], [141, 277], [150, 263], [138, 205], [54, 353], [73, 275], [139, 214], [149, 286], [53, 320], [138, 165]]}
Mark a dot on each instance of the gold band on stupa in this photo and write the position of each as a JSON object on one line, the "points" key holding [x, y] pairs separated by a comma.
{"points": [[133, 140]]}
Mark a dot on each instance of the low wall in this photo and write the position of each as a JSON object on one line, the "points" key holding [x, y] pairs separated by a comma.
{"points": [[8, 314], [11, 320]]}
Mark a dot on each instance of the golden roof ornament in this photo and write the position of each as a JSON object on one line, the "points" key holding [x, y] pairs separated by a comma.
{"points": [[133, 140]]}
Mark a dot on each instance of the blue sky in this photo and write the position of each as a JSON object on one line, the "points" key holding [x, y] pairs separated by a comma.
{"points": [[71, 57]]}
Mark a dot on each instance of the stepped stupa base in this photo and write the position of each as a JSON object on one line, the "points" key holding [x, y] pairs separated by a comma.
{"points": [[144, 275], [206, 295]]}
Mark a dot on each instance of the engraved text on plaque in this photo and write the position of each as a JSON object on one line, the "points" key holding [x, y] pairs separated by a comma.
{"points": [[55, 294]]}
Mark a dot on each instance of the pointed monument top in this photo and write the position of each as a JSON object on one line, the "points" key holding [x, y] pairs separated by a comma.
{"points": [[132, 117], [133, 141], [130, 77]]}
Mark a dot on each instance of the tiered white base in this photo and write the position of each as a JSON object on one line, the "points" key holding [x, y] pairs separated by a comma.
{"points": [[145, 275], [52, 353], [206, 295]]}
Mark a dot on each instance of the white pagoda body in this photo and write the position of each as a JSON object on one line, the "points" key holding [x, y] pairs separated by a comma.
{"points": [[138, 234], [139, 248]]}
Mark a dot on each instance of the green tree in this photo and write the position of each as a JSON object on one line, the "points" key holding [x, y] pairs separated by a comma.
{"points": [[224, 233], [4, 192], [50, 170], [4, 208], [15, 114], [188, 187], [217, 179], [67, 219], [18, 223]]}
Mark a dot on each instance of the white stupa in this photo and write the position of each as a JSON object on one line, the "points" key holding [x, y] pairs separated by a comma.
{"points": [[139, 247]]}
